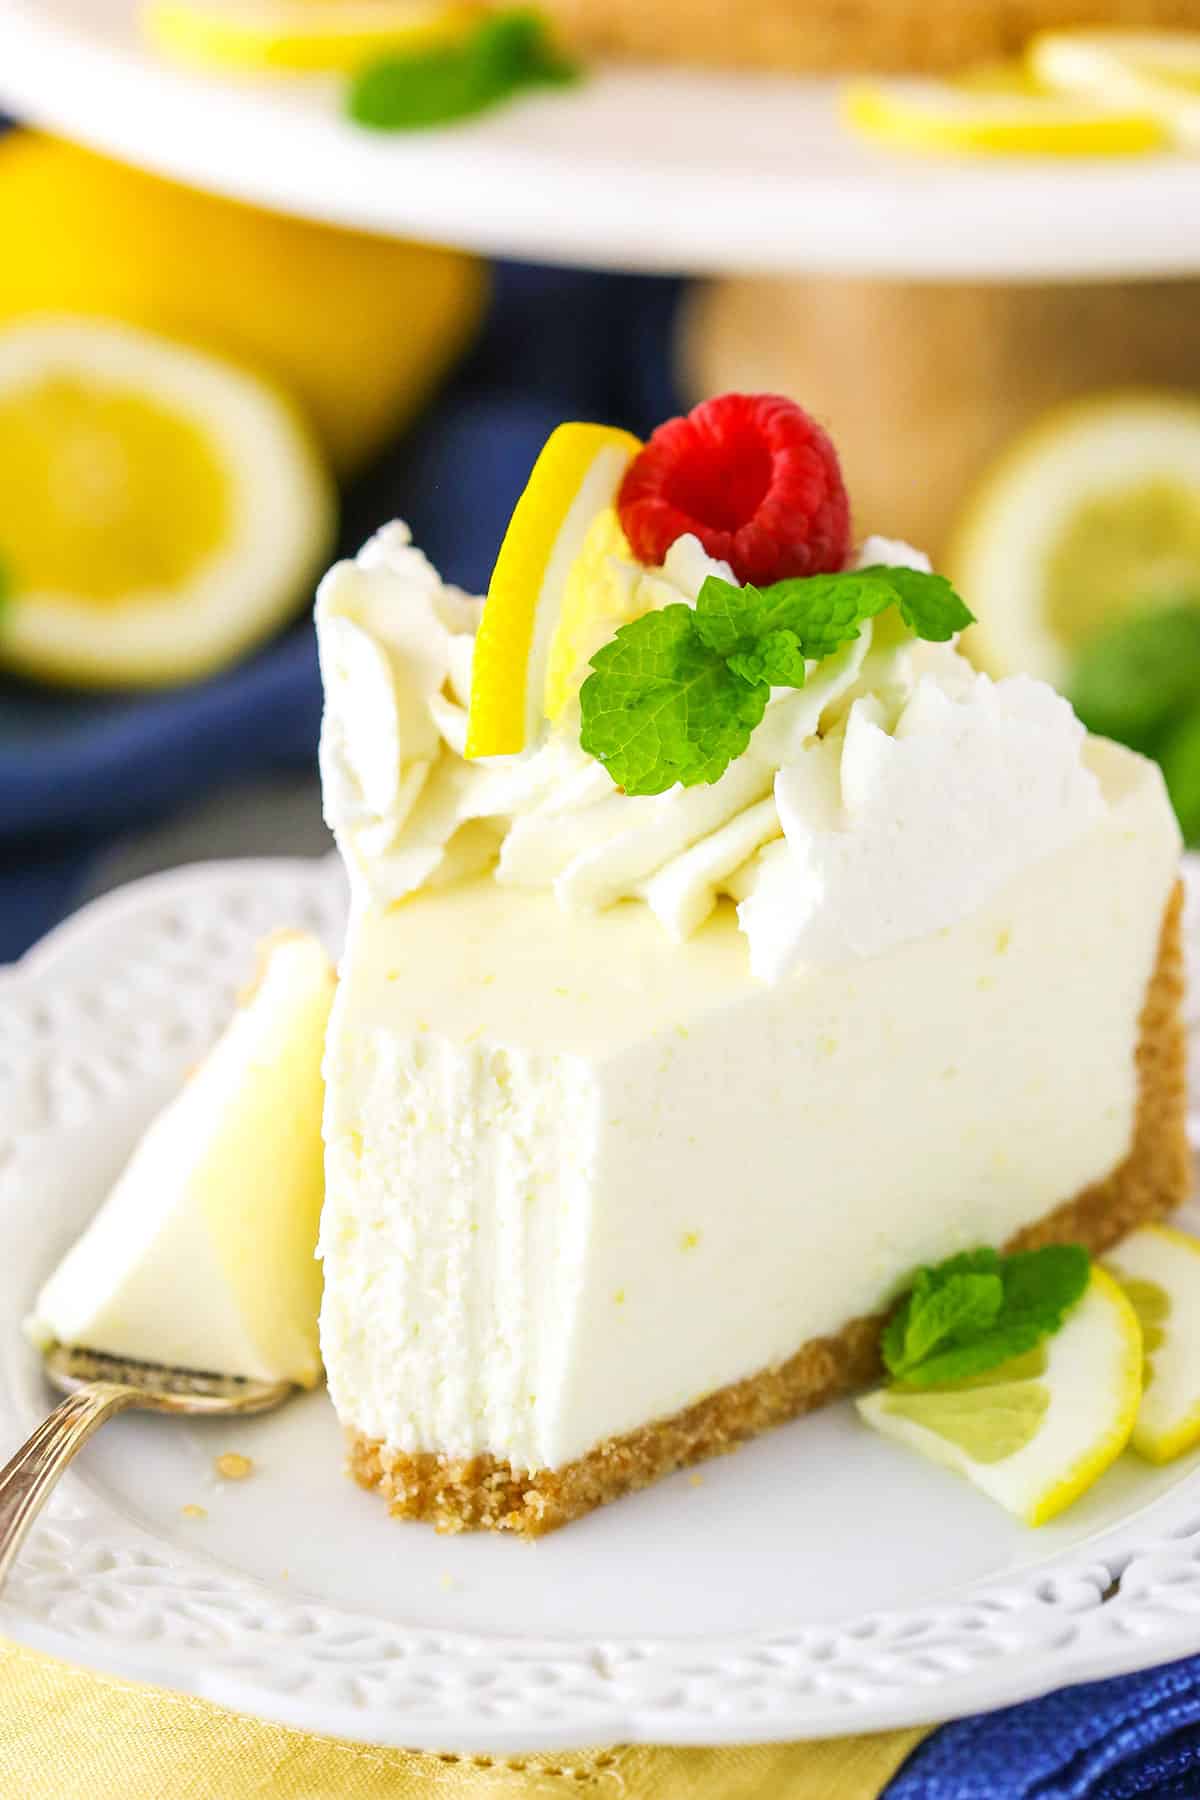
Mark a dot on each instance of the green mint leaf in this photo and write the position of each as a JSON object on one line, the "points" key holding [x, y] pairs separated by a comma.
{"points": [[822, 612], [1135, 680], [505, 53], [516, 49], [776, 661], [928, 604], [950, 1328], [678, 693], [949, 1310], [661, 707]]}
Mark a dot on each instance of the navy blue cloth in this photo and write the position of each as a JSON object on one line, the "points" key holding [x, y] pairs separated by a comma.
{"points": [[76, 770], [1135, 1738]]}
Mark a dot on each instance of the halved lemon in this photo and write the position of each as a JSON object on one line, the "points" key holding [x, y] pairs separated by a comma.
{"points": [[1159, 1269], [301, 34], [1036, 1432], [996, 117], [1092, 514], [575, 478], [1157, 72], [162, 511]]}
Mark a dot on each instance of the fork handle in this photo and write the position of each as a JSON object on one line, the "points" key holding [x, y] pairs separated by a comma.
{"points": [[26, 1481]]}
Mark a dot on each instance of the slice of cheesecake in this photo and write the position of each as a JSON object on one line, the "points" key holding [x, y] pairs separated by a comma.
{"points": [[643, 1108], [202, 1257]]}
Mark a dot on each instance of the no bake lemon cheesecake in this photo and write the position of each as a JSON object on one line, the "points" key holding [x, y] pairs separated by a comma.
{"points": [[722, 948]]}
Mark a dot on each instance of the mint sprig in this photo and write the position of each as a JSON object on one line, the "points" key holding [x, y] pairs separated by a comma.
{"points": [[677, 694], [504, 54], [979, 1310]]}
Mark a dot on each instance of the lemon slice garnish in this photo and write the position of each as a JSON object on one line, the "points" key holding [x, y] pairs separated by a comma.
{"points": [[1092, 514], [163, 511], [1159, 1270], [1036, 1432], [1157, 72], [301, 34], [575, 478], [599, 596], [995, 117]]}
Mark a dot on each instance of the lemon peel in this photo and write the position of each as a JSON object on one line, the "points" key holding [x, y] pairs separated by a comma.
{"points": [[991, 118], [1036, 1432], [301, 34], [576, 476], [1159, 1269]]}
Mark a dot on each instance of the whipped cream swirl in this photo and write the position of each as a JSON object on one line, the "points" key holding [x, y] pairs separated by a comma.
{"points": [[891, 795]]}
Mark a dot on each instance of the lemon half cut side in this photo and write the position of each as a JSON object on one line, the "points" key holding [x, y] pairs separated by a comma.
{"points": [[1091, 514], [163, 511]]}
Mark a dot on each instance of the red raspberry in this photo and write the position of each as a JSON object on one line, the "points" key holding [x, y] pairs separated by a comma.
{"points": [[753, 477]]}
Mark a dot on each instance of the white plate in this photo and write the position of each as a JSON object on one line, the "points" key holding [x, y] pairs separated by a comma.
{"points": [[640, 168], [820, 1581]]}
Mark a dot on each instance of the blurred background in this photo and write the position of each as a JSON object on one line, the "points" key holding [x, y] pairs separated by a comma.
{"points": [[203, 401]]}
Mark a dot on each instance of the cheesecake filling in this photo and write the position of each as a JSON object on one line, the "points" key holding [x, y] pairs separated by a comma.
{"points": [[531, 1250], [559, 1137], [891, 795], [202, 1256]]}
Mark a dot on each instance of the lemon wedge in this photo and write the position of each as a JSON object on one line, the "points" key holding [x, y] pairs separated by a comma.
{"points": [[1093, 514], [163, 511], [1159, 1270], [575, 478], [300, 34], [1157, 72], [996, 117], [1036, 1432]]}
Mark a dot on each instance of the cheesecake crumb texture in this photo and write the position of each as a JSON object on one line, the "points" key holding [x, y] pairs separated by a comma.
{"points": [[482, 1493], [803, 35]]}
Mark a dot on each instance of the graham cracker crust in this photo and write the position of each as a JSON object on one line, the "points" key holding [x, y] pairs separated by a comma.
{"points": [[839, 35], [486, 1494]]}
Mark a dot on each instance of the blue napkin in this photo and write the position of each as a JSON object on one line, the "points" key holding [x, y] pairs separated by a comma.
{"points": [[1135, 1738], [77, 770]]}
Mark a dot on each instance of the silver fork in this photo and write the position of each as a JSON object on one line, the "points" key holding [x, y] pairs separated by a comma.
{"points": [[97, 1387]]}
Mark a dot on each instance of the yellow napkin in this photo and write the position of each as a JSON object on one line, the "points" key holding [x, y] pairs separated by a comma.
{"points": [[69, 1735]]}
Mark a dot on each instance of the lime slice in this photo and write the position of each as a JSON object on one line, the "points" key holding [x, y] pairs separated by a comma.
{"points": [[987, 115], [163, 511], [1036, 1432], [575, 478], [1155, 71], [300, 34], [1091, 515], [1159, 1270]]}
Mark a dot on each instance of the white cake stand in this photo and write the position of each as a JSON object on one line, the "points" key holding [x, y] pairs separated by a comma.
{"points": [[638, 169]]}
